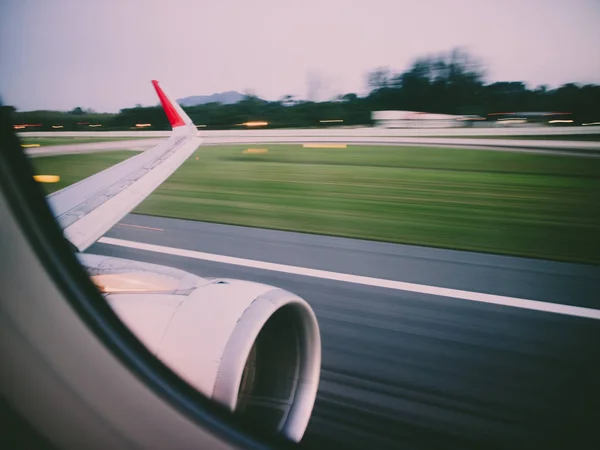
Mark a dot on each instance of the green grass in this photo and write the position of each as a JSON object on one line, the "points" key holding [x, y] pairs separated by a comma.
{"points": [[73, 140], [535, 205], [75, 167]]}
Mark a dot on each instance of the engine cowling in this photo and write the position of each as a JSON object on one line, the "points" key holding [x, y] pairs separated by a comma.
{"points": [[253, 348]]}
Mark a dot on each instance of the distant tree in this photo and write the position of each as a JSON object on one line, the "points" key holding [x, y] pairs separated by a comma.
{"points": [[507, 87], [7, 109], [568, 97], [587, 108], [450, 82], [288, 100], [349, 98], [251, 107], [379, 78]]}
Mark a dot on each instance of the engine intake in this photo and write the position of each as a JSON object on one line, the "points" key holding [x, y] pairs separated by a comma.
{"points": [[253, 348], [275, 384]]}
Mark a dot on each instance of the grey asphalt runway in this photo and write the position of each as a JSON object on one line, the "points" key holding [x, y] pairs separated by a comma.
{"points": [[407, 369]]}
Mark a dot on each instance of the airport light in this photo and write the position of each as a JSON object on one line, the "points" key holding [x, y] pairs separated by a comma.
{"points": [[200, 126], [94, 125], [331, 120], [57, 126], [25, 125], [46, 178], [515, 120], [560, 121], [256, 123], [29, 145], [324, 145], [256, 150], [143, 125], [591, 123]]}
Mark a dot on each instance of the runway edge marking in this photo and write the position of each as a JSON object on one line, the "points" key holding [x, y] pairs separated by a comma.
{"points": [[480, 297]]}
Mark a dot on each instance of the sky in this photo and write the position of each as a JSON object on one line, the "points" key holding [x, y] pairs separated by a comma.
{"points": [[61, 54]]}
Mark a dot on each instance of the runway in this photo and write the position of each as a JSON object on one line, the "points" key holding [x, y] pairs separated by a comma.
{"points": [[403, 368], [564, 148]]}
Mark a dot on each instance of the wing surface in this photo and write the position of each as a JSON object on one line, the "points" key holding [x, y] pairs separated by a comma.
{"points": [[88, 209]]}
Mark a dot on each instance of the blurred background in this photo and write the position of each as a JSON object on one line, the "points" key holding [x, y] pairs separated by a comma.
{"points": [[75, 66], [445, 90]]}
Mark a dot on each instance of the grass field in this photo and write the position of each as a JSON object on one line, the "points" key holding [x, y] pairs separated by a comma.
{"points": [[534, 205], [73, 140]]}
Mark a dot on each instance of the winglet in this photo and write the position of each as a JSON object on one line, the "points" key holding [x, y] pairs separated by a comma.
{"points": [[176, 115]]}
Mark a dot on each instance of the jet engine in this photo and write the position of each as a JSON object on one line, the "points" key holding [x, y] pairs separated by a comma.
{"points": [[253, 348]]}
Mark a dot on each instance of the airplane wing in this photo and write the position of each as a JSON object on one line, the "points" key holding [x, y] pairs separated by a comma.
{"points": [[252, 348], [88, 209]]}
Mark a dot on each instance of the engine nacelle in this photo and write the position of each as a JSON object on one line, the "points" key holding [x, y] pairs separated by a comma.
{"points": [[254, 348]]}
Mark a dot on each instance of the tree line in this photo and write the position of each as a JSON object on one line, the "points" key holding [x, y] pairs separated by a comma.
{"points": [[449, 83]]}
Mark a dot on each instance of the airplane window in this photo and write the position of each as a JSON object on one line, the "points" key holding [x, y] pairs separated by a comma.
{"points": [[300, 225]]}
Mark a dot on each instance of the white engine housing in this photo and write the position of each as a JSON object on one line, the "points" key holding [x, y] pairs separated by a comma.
{"points": [[254, 348]]}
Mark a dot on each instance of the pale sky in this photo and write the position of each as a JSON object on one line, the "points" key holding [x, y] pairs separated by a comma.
{"points": [[58, 54]]}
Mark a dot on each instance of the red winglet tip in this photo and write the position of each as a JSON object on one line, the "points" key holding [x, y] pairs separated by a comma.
{"points": [[172, 114]]}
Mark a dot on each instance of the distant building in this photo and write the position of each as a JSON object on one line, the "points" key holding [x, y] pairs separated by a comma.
{"points": [[416, 119]]}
